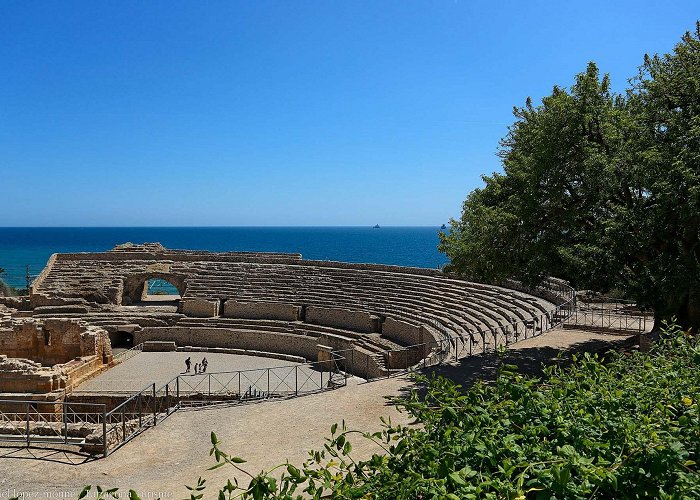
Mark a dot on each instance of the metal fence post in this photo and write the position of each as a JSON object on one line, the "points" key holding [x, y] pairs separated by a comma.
{"points": [[209, 384], [65, 423], [138, 402], [27, 417], [296, 380], [155, 406], [104, 430]]}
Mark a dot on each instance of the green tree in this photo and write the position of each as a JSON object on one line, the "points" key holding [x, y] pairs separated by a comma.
{"points": [[665, 104], [598, 188]]}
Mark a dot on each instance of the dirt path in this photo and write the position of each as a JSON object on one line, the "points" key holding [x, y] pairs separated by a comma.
{"points": [[165, 458]]}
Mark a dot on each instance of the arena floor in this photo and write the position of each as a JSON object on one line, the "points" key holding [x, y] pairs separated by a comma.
{"points": [[160, 367]]}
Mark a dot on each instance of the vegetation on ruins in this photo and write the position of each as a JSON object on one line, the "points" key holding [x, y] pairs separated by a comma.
{"points": [[8, 290], [624, 427], [3, 287], [598, 188]]}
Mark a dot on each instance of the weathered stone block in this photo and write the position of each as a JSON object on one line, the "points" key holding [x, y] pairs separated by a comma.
{"points": [[159, 346], [357, 321], [261, 310], [200, 308], [402, 332], [404, 358], [325, 356]]}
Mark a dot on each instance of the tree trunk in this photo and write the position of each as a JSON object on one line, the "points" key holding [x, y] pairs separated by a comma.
{"points": [[689, 314]]}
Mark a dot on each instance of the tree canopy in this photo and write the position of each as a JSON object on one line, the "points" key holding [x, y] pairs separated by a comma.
{"points": [[599, 188]]}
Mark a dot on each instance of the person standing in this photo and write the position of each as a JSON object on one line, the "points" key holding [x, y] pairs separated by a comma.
{"points": [[204, 365], [188, 364]]}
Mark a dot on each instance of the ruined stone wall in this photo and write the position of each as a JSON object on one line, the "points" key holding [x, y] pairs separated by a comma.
{"points": [[26, 376], [296, 345], [21, 339], [41, 356], [402, 332], [200, 308], [362, 363], [357, 321], [261, 310], [107, 277], [53, 341]]}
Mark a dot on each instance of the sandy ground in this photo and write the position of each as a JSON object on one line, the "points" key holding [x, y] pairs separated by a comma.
{"points": [[160, 367], [165, 458]]}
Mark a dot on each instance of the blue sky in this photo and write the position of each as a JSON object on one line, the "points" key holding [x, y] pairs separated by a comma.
{"points": [[284, 112]]}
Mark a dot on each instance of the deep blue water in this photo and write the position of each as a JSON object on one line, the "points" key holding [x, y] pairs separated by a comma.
{"points": [[405, 246]]}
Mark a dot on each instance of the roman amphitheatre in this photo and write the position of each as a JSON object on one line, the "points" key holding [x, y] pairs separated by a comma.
{"points": [[92, 364]]}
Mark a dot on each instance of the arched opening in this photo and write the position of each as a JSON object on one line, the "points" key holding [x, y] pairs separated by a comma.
{"points": [[121, 340], [154, 289], [159, 290]]}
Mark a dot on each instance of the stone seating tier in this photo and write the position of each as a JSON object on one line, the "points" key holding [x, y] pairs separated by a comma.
{"points": [[373, 342], [224, 289]]}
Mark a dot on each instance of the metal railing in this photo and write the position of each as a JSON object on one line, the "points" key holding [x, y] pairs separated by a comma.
{"points": [[457, 341], [437, 351], [128, 354], [388, 362], [93, 429], [611, 315], [152, 404], [41, 423]]}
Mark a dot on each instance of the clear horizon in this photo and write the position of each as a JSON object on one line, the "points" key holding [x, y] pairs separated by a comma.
{"points": [[277, 114], [223, 227]]}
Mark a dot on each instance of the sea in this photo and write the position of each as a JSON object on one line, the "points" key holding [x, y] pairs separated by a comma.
{"points": [[404, 246]]}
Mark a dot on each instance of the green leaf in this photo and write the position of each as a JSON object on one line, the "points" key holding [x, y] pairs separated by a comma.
{"points": [[293, 471], [457, 479]]}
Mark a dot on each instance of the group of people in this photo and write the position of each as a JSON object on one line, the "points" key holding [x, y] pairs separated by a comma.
{"points": [[198, 367]]}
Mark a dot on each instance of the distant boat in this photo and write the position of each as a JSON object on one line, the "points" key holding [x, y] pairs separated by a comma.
{"points": [[443, 226], [376, 226]]}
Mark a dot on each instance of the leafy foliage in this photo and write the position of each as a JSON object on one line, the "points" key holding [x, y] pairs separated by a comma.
{"points": [[598, 188]]}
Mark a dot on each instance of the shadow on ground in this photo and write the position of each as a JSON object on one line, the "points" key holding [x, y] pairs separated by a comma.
{"points": [[46, 454], [529, 360]]}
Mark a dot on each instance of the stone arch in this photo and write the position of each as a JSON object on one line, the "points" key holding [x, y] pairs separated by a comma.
{"points": [[134, 285]]}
